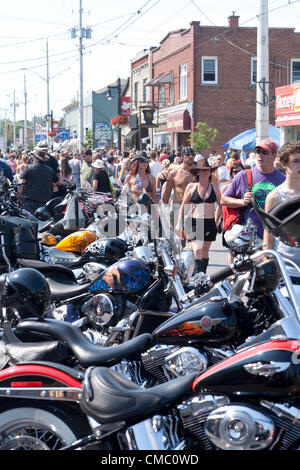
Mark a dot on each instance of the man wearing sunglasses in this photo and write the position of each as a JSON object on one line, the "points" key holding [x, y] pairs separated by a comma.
{"points": [[264, 178]]}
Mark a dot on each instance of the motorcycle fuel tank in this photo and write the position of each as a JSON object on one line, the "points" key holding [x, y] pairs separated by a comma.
{"points": [[270, 369], [108, 249], [211, 323], [77, 241], [128, 276]]}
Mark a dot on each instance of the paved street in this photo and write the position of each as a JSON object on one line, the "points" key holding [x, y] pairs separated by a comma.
{"points": [[217, 256]]}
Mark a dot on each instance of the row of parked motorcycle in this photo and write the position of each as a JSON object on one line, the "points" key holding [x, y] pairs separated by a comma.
{"points": [[113, 342]]}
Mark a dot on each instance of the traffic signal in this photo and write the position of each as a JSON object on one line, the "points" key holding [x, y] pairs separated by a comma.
{"points": [[7, 127]]}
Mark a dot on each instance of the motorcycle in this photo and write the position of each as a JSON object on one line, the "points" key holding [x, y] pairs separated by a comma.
{"points": [[247, 401]]}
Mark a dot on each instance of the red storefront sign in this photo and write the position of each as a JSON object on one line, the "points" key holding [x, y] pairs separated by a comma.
{"points": [[180, 121], [287, 105]]}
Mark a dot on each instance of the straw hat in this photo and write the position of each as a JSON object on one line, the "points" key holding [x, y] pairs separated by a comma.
{"points": [[40, 155], [98, 164]]}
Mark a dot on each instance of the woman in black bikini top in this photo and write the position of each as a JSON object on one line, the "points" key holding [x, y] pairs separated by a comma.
{"points": [[202, 225], [197, 199]]}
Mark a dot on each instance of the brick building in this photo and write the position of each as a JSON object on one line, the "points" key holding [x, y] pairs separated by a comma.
{"points": [[208, 74], [140, 95]]}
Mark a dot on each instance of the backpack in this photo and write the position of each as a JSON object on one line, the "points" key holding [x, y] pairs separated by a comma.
{"points": [[231, 215]]}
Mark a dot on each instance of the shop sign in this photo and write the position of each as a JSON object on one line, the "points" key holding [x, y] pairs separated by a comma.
{"points": [[102, 131], [287, 100], [287, 105]]}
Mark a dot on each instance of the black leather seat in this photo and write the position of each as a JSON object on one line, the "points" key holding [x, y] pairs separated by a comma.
{"points": [[46, 268], [109, 396], [16, 351], [87, 353], [65, 289]]}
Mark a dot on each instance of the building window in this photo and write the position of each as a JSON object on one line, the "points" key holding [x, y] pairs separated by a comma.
{"points": [[136, 94], [295, 70], [183, 82], [171, 93], [210, 70], [253, 70], [161, 95], [146, 92]]}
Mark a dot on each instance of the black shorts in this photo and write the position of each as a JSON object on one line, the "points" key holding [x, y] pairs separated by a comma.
{"points": [[203, 230]]}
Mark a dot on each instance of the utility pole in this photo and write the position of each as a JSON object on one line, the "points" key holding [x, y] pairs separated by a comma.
{"points": [[262, 86], [25, 117], [80, 77], [119, 112], [14, 105], [83, 33], [48, 92]]}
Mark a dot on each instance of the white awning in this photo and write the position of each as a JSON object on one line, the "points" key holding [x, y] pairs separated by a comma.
{"points": [[161, 79]]}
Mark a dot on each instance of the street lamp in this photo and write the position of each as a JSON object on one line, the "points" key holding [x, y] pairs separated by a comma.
{"points": [[110, 97], [48, 93]]}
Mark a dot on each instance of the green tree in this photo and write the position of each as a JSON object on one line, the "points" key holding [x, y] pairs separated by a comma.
{"points": [[89, 140], [203, 137]]}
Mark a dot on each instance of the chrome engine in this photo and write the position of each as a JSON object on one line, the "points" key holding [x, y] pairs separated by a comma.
{"points": [[214, 422], [156, 433], [239, 427], [167, 362]]}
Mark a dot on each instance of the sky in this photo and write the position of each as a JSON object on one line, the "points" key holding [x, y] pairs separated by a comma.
{"points": [[120, 30]]}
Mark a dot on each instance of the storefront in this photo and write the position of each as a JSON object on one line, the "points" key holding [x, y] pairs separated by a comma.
{"points": [[161, 137], [287, 112], [179, 126]]}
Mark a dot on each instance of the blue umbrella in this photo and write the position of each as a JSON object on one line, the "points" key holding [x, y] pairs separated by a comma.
{"points": [[247, 139]]}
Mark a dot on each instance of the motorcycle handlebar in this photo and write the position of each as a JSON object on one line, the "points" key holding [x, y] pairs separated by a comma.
{"points": [[221, 274]]}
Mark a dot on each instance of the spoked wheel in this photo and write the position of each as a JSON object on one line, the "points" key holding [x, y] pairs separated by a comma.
{"points": [[33, 429]]}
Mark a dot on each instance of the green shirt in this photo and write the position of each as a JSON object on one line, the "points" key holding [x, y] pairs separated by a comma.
{"points": [[86, 172]]}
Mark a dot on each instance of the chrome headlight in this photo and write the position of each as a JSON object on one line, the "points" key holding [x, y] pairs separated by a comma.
{"points": [[100, 309], [188, 263], [144, 253]]}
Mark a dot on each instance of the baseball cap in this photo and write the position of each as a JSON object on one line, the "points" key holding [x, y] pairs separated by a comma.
{"points": [[267, 144]]}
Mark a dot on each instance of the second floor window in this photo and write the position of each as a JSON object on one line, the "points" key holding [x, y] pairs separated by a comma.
{"points": [[146, 92], [253, 70], [210, 70], [161, 95], [136, 94], [183, 82], [295, 70], [171, 93]]}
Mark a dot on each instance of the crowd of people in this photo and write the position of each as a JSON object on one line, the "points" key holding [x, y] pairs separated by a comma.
{"points": [[204, 195]]}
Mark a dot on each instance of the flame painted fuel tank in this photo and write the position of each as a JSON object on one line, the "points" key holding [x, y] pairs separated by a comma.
{"points": [[211, 323], [128, 276], [270, 369]]}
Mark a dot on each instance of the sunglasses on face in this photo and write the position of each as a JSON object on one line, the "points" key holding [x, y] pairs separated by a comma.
{"points": [[262, 151]]}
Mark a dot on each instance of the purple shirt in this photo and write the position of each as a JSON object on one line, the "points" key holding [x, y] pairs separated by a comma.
{"points": [[262, 185]]}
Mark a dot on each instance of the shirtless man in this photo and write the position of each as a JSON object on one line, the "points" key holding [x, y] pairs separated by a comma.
{"points": [[178, 179]]}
